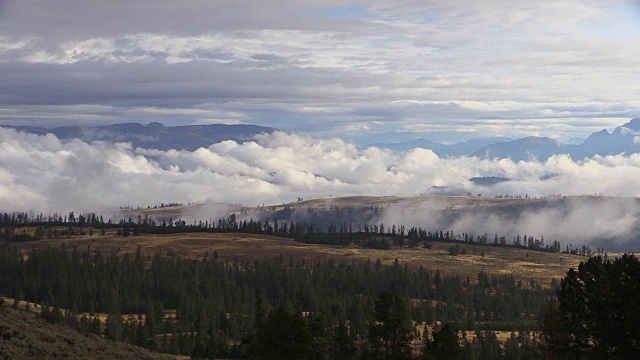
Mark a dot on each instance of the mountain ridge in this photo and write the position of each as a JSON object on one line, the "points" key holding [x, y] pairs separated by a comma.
{"points": [[155, 135], [461, 148], [624, 139]]}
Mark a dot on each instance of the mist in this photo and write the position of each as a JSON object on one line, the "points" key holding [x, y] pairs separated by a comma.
{"points": [[43, 174], [607, 222]]}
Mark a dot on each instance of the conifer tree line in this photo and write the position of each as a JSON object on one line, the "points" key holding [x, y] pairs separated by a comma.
{"points": [[272, 309], [379, 236]]}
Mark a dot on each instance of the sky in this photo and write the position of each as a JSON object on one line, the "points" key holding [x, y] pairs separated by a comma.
{"points": [[365, 72]]}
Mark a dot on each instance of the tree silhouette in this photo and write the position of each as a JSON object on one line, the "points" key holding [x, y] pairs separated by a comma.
{"points": [[597, 316]]}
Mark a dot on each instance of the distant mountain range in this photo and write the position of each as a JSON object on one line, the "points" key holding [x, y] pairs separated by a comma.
{"points": [[624, 139], [155, 135], [443, 150]]}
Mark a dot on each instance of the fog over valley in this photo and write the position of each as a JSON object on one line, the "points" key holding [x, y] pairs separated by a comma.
{"points": [[44, 174]]}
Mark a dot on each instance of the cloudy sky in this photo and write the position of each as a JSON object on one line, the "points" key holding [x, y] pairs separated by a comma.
{"points": [[363, 71]]}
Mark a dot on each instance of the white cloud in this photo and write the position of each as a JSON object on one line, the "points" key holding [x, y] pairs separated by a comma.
{"points": [[284, 166], [314, 67], [41, 173]]}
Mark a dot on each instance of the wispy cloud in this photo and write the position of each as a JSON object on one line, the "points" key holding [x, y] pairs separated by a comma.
{"points": [[409, 66]]}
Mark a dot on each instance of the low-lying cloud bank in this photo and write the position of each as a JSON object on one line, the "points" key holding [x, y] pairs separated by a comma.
{"points": [[41, 173], [610, 223]]}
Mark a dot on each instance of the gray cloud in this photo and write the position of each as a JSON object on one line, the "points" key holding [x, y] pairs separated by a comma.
{"points": [[455, 69]]}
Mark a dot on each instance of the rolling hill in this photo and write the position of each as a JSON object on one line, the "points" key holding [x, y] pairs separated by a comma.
{"points": [[522, 263], [598, 221]]}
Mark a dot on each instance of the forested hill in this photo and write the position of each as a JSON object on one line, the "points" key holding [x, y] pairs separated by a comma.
{"points": [[209, 309], [155, 135], [578, 220]]}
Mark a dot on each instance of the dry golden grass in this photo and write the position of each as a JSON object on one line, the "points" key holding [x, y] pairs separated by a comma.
{"points": [[523, 264]]}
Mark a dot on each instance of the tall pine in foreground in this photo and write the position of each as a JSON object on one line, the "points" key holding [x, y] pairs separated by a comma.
{"points": [[597, 315]]}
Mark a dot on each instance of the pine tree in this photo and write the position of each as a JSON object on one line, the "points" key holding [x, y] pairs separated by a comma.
{"points": [[283, 336], [390, 333], [445, 344], [343, 347], [597, 315], [113, 327]]}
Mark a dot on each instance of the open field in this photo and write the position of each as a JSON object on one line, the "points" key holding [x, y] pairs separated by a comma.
{"points": [[523, 264]]}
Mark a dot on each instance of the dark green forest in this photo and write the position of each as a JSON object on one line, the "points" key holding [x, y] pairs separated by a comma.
{"points": [[311, 309], [221, 309]]}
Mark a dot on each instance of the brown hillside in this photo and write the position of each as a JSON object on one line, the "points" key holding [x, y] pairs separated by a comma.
{"points": [[523, 264], [23, 336]]}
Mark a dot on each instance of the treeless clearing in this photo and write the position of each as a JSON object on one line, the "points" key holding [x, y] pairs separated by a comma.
{"points": [[523, 264]]}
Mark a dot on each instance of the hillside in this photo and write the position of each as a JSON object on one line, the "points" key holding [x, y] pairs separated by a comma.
{"points": [[563, 218], [435, 202], [523, 264], [26, 337]]}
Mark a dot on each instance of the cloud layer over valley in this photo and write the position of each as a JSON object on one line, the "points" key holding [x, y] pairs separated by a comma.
{"points": [[41, 173]]}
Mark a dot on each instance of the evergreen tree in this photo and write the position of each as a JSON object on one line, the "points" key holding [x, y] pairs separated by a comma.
{"points": [[113, 327], [284, 336], [320, 343], [390, 333], [597, 311], [343, 347], [445, 344]]}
